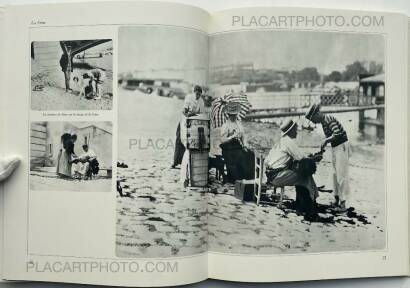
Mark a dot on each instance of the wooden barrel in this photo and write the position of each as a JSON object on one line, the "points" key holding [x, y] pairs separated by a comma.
{"points": [[198, 132], [198, 168]]}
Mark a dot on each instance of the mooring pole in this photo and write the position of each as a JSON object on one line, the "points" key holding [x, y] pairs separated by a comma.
{"points": [[361, 120], [380, 119]]}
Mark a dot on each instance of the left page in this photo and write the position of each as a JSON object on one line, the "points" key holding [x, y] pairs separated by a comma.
{"points": [[95, 93]]}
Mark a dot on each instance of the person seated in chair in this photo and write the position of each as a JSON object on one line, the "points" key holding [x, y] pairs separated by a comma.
{"points": [[287, 165], [86, 163], [239, 160]]}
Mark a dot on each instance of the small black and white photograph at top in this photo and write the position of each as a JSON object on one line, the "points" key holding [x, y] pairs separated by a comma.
{"points": [[72, 75], [71, 156]]}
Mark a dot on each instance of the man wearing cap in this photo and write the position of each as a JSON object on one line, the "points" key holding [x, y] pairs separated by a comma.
{"points": [[280, 169], [193, 105], [337, 137]]}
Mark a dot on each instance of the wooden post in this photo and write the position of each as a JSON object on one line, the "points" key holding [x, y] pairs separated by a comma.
{"points": [[380, 127], [361, 120]]}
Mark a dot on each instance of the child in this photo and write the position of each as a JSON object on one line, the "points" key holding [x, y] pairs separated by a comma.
{"points": [[337, 137]]}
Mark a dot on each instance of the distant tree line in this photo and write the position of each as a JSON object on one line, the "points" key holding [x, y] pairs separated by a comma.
{"points": [[307, 74], [352, 71]]}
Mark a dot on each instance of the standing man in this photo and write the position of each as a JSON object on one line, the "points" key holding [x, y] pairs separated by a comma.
{"points": [[66, 64], [193, 104], [337, 137]]}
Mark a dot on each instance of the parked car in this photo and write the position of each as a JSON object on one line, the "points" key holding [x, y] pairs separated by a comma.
{"points": [[161, 87], [166, 90], [146, 86]]}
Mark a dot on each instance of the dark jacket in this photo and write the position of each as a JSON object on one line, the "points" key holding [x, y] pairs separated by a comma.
{"points": [[64, 62]]}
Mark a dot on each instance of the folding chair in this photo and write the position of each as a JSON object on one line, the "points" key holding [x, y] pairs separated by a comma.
{"points": [[258, 192]]}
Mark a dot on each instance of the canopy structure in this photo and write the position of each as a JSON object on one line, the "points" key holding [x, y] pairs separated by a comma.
{"points": [[81, 45], [379, 78]]}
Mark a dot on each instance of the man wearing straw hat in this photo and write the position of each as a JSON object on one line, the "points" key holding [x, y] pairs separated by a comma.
{"points": [[337, 137], [281, 169]]}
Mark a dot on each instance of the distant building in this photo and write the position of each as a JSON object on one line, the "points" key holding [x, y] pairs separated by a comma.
{"points": [[306, 84], [343, 85], [371, 89], [273, 86], [372, 92], [45, 141], [196, 75]]}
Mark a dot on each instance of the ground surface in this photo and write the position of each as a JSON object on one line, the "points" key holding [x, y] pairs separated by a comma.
{"points": [[45, 179], [158, 218]]}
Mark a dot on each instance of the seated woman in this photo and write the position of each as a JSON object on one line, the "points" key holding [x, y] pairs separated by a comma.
{"points": [[282, 169], [239, 160]]}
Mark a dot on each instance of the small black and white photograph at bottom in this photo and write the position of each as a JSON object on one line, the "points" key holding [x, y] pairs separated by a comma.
{"points": [[72, 75], [304, 166], [71, 156]]}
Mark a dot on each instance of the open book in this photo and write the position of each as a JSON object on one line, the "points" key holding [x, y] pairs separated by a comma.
{"points": [[165, 145]]}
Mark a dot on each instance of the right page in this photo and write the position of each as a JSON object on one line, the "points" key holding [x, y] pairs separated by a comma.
{"points": [[322, 110]]}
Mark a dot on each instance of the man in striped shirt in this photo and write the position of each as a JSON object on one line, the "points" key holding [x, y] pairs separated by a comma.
{"points": [[337, 137]]}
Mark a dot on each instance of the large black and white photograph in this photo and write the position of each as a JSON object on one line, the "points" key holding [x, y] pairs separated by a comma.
{"points": [[71, 156], [162, 71], [72, 75], [316, 131], [250, 142]]}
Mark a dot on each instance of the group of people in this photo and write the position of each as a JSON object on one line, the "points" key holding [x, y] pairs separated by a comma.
{"points": [[286, 164], [71, 166], [88, 82], [229, 140]]}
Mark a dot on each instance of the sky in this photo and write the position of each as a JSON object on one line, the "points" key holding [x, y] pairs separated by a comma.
{"points": [[327, 51], [159, 47]]}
